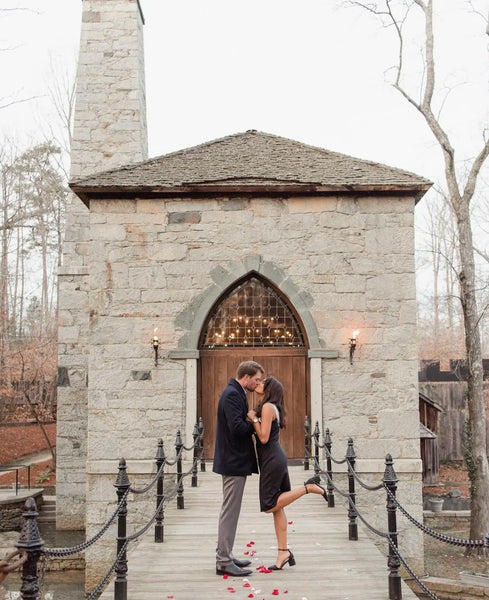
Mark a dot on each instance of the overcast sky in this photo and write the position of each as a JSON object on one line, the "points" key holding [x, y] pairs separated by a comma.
{"points": [[306, 70], [309, 70]]}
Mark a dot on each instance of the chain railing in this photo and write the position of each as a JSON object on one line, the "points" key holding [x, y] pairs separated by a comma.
{"points": [[389, 486], [34, 556]]}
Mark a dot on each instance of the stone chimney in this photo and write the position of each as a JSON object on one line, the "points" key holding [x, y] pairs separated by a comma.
{"points": [[110, 111], [109, 131]]}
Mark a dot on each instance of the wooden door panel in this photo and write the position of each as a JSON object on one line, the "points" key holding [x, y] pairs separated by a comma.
{"points": [[291, 372], [288, 365]]}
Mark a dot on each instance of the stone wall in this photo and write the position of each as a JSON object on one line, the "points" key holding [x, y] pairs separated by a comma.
{"points": [[351, 260], [12, 507]]}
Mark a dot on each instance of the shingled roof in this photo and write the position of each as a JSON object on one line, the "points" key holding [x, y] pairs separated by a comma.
{"points": [[252, 162]]}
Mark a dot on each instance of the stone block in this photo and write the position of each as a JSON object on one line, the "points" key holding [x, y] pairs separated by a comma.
{"points": [[403, 424], [350, 284]]}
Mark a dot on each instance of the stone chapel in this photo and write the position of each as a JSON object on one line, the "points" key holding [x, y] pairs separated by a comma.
{"points": [[251, 246]]}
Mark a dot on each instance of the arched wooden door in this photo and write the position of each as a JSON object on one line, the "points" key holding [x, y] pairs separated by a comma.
{"points": [[253, 321]]}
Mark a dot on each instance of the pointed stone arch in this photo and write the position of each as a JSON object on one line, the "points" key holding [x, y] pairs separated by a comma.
{"points": [[194, 317]]}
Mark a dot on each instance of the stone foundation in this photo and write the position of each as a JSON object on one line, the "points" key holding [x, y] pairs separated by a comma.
{"points": [[12, 506]]}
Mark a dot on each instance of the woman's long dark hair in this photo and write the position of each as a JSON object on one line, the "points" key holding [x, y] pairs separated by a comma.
{"points": [[273, 393]]}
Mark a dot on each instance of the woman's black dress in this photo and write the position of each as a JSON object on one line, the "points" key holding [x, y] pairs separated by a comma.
{"points": [[274, 476]]}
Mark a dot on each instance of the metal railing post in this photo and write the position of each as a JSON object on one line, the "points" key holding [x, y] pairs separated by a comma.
{"points": [[160, 516], [328, 444], [316, 448], [31, 542], [195, 436], [178, 450], [352, 515], [201, 444], [393, 563], [307, 442], [122, 484]]}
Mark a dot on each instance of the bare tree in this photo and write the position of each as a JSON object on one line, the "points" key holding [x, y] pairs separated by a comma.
{"points": [[42, 187], [12, 216], [459, 192]]}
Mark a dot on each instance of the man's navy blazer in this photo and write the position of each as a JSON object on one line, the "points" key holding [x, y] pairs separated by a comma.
{"points": [[234, 453]]}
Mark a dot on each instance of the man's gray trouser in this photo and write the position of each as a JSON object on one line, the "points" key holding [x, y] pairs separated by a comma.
{"points": [[232, 493]]}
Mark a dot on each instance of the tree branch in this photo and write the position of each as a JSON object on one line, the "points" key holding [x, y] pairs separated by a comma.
{"points": [[474, 172], [12, 102]]}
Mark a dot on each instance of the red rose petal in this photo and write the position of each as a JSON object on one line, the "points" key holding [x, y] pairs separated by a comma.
{"points": [[247, 585], [290, 522], [225, 576], [264, 569], [275, 593], [250, 596]]}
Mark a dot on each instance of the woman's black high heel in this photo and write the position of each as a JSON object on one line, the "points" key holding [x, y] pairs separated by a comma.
{"points": [[316, 480], [290, 561]]}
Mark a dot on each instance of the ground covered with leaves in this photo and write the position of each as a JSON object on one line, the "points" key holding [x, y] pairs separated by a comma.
{"points": [[18, 441], [446, 560], [443, 559], [451, 476]]}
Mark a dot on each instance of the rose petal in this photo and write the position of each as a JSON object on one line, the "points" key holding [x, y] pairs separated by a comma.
{"points": [[275, 593], [247, 585], [231, 590], [225, 576], [250, 596], [290, 522]]}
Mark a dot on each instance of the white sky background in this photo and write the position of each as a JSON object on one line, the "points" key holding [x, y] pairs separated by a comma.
{"points": [[308, 70]]}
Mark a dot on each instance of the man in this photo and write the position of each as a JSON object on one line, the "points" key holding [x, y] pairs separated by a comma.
{"points": [[234, 459]]}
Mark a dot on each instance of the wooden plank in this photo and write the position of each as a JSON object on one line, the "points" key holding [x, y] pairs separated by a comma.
{"points": [[329, 566]]}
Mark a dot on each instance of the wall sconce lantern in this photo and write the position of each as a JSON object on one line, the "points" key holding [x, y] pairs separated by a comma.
{"points": [[154, 343], [353, 345]]}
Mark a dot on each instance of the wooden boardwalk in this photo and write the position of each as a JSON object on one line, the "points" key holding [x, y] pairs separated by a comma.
{"points": [[329, 566]]}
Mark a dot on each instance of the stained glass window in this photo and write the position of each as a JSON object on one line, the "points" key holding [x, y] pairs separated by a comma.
{"points": [[252, 314]]}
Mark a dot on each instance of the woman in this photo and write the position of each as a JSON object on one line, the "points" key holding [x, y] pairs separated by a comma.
{"points": [[275, 489]]}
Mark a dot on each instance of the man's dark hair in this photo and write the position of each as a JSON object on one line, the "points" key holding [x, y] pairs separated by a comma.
{"points": [[248, 367]]}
